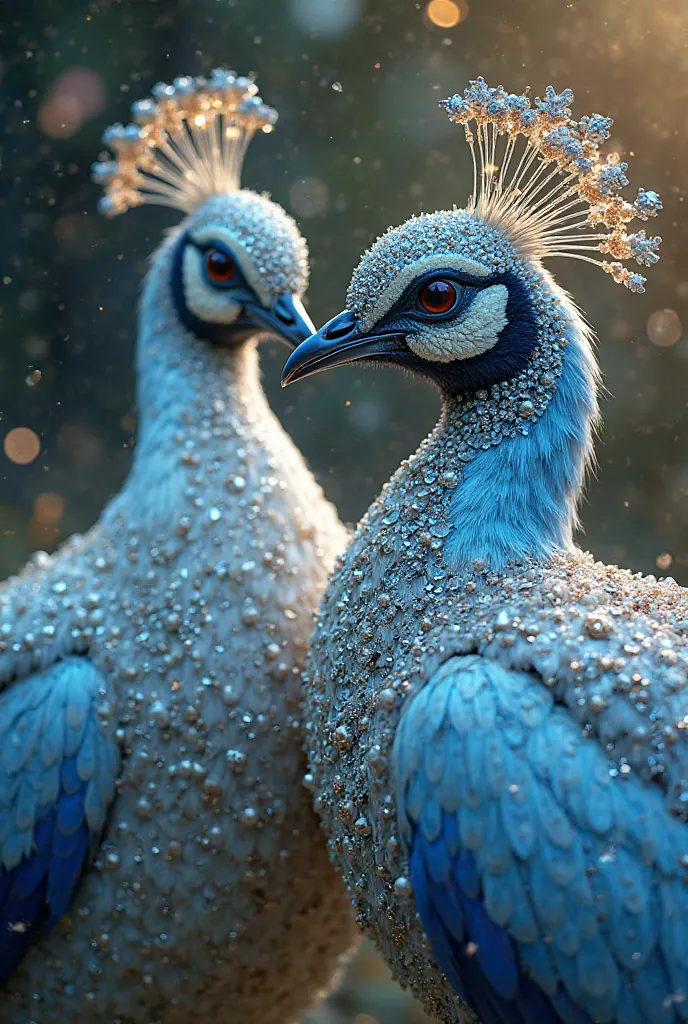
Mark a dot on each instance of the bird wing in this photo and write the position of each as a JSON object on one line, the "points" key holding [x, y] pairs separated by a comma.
{"points": [[57, 781], [548, 889]]}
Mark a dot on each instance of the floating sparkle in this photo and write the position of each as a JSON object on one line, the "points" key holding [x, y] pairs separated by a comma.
{"points": [[309, 197], [76, 95], [48, 508], [664, 327], [329, 18]]}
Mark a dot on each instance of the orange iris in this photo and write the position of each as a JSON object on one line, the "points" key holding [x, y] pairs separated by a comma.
{"points": [[437, 296], [219, 265]]}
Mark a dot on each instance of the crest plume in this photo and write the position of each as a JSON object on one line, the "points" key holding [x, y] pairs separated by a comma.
{"points": [[550, 194], [187, 143]]}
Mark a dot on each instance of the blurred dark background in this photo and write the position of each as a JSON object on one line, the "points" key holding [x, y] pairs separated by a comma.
{"points": [[360, 145]]}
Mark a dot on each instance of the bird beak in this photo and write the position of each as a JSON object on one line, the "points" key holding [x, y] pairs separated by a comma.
{"points": [[286, 319], [340, 341]]}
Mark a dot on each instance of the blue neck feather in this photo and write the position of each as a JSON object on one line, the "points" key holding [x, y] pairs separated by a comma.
{"points": [[519, 499]]}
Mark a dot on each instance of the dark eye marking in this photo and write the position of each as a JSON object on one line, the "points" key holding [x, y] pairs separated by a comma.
{"points": [[437, 297]]}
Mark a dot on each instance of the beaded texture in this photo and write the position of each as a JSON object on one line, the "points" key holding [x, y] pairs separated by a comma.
{"points": [[150, 675], [607, 645], [192, 598], [496, 724]]}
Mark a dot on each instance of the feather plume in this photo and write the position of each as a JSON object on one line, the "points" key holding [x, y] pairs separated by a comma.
{"points": [[539, 177], [186, 143]]}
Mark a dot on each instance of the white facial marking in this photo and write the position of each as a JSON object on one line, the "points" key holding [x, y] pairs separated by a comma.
{"points": [[211, 305], [406, 276], [215, 233], [477, 331]]}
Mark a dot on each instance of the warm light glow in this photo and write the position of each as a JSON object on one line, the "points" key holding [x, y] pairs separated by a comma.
{"points": [[77, 94], [21, 445], [48, 508], [664, 327], [199, 120], [444, 13]]}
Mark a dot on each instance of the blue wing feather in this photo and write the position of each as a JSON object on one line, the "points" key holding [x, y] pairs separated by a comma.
{"points": [[48, 799], [69, 776], [70, 811], [466, 875], [495, 950], [25, 879], [548, 894], [63, 875], [35, 894]]}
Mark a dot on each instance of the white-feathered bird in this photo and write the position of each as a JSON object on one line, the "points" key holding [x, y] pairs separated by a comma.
{"points": [[160, 860]]}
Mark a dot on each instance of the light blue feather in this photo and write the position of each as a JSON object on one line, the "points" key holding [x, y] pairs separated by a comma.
{"points": [[538, 865], [535, 480]]}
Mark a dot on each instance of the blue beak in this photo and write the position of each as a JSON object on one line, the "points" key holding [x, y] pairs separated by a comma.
{"points": [[286, 320], [340, 341]]}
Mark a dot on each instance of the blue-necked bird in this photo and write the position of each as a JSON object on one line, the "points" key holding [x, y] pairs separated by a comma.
{"points": [[496, 724]]}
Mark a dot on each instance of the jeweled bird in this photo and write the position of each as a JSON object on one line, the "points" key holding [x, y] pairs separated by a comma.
{"points": [[496, 722], [160, 859]]}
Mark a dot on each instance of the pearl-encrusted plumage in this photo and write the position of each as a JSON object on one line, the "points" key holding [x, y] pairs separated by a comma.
{"points": [[150, 678], [496, 724]]}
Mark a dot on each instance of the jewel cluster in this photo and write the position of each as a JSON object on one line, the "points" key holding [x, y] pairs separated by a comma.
{"points": [[574, 147], [164, 140]]}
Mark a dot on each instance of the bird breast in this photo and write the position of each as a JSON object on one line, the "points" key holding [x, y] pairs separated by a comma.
{"points": [[199, 620], [396, 611]]}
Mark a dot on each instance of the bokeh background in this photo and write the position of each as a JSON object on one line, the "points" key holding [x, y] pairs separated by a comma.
{"points": [[360, 145]]}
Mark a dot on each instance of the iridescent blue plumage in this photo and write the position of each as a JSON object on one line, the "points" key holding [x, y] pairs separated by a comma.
{"points": [[57, 774], [35, 895], [506, 717], [538, 882]]}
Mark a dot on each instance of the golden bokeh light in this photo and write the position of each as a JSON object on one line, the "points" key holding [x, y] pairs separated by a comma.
{"points": [[76, 95], [664, 327], [446, 13], [21, 445], [48, 508]]}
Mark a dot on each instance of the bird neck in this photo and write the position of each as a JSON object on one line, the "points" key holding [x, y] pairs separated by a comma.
{"points": [[182, 380], [518, 499], [198, 407]]}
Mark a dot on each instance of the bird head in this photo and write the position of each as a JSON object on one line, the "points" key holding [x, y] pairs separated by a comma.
{"points": [[237, 266], [461, 297]]}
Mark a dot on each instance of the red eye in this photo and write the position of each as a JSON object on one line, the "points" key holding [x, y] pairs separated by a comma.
{"points": [[219, 266], [437, 296]]}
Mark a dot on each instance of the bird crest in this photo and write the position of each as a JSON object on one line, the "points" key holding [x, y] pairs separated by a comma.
{"points": [[539, 177], [186, 143]]}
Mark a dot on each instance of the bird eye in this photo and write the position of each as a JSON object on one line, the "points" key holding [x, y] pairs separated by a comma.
{"points": [[219, 266], [437, 296]]}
